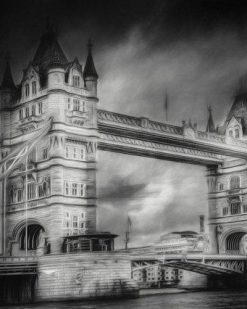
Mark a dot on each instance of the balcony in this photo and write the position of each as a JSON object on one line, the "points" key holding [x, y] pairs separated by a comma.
{"points": [[76, 117]]}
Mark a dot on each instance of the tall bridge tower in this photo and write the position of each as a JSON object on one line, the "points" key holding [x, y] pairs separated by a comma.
{"points": [[58, 181], [227, 187]]}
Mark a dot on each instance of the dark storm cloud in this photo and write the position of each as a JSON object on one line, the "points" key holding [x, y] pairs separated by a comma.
{"points": [[172, 199], [119, 188]]}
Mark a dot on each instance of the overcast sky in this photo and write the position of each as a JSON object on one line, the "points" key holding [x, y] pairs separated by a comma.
{"points": [[195, 50]]}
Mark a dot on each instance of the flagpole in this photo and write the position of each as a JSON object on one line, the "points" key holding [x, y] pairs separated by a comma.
{"points": [[127, 233], [26, 227], [4, 215]]}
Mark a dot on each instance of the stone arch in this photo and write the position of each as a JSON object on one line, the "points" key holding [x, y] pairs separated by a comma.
{"points": [[35, 234], [233, 241]]}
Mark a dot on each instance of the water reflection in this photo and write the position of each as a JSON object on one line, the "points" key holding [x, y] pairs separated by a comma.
{"points": [[196, 300]]}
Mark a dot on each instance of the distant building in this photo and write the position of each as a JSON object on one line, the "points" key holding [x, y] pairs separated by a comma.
{"points": [[171, 243], [181, 242], [157, 276]]}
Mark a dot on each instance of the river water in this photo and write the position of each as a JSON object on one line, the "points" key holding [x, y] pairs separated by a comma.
{"points": [[191, 300]]}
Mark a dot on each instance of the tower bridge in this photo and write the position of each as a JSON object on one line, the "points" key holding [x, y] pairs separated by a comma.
{"points": [[51, 128]]}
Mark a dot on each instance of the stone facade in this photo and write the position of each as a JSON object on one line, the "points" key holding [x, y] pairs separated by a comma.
{"points": [[61, 180], [81, 276]]}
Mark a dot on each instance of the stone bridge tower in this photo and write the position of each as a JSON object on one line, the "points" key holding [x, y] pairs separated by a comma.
{"points": [[61, 178], [227, 186]]}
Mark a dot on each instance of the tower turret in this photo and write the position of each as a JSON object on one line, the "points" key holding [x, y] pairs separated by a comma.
{"points": [[7, 88], [90, 74], [210, 124]]}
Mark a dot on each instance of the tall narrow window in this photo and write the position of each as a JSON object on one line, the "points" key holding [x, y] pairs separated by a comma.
{"points": [[75, 153], [40, 191], [33, 110], [67, 152], [75, 221], [82, 190], [27, 112], [82, 154], [34, 88], [225, 211], [76, 81], [234, 182], [27, 90], [74, 189], [76, 105], [231, 133], [19, 195], [66, 184], [235, 208], [83, 107], [45, 153], [235, 204], [40, 108], [31, 191], [236, 133], [20, 114]]}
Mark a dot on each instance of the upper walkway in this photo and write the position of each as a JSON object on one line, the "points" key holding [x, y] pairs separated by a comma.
{"points": [[145, 137]]}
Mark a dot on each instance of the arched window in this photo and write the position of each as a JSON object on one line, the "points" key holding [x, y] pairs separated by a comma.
{"points": [[34, 237], [236, 133], [27, 90], [234, 182], [34, 88], [231, 133]]}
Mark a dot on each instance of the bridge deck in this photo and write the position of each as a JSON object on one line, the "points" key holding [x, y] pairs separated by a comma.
{"points": [[203, 264]]}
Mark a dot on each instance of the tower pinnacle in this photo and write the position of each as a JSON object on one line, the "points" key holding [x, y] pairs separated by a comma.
{"points": [[7, 81], [89, 69], [210, 124]]}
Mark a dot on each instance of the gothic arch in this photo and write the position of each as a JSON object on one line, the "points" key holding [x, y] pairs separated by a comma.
{"points": [[230, 241], [19, 227]]}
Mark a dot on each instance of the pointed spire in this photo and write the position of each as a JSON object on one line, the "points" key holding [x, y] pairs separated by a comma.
{"points": [[7, 81], [89, 69], [210, 124], [49, 51]]}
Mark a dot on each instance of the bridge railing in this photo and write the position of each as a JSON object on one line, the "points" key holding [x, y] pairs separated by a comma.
{"points": [[17, 259]]}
